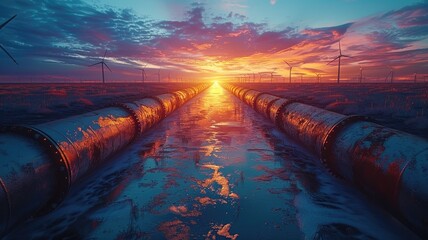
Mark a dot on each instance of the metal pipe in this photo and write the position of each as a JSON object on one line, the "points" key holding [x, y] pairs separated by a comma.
{"points": [[38, 164], [390, 166]]}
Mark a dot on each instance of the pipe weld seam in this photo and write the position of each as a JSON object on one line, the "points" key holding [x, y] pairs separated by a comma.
{"points": [[134, 117], [253, 105], [328, 141], [396, 191], [239, 91], [282, 109], [244, 93], [177, 100], [161, 103]]}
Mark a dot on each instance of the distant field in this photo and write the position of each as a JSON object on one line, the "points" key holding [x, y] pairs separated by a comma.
{"points": [[37, 103], [403, 106]]}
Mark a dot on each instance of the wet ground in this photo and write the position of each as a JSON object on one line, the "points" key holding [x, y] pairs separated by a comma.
{"points": [[214, 169]]}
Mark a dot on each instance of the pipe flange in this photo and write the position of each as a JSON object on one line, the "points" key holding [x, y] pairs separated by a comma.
{"points": [[236, 90], [161, 103], [178, 99], [256, 98], [280, 109], [244, 93], [134, 116], [331, 136], [268, 107], [239, 91], [55, 154]]}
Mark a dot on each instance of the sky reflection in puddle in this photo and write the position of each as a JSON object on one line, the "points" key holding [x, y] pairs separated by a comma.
{"points": [[214, 169]]}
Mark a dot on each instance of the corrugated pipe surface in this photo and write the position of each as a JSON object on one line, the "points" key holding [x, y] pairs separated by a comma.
{"points": [[39, 163], [389, 165]]}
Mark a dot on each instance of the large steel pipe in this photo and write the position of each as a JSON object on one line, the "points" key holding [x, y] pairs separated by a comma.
{"points": [[388, 165], [38, 164]]}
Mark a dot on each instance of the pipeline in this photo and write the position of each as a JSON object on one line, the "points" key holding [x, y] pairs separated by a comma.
{"points": [[390, 166], [40, 163]]}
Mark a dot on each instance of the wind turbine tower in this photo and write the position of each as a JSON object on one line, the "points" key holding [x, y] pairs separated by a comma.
{"points": [[102, 65], [291, 67], [4, 49], [392, 75], [159, 75], [361, 74], [271, 74], [143, 72], [318, 77], [338, 66]]}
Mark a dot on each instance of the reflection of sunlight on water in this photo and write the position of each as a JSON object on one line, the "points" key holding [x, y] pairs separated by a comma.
{"points": [[221, 122], [218, 178], [216, 89]]}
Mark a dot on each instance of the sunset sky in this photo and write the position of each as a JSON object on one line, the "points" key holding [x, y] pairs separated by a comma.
{"points": [[216, 39]]}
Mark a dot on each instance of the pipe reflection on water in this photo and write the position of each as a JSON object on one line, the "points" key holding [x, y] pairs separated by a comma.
{"points": [[214, 169]]}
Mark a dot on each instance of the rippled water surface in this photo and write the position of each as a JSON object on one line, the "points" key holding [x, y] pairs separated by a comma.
{"points": [[214, 169]]}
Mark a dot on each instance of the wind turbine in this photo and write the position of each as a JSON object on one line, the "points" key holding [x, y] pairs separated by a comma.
{"points": [[159, 75], [391, 73], [318, 77], [102, 65], [361, 74], [291, 67], [4, 49], [338, 66], [271, 74], [143, 72]]}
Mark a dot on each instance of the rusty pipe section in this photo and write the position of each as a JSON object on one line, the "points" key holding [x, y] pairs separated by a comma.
{"points": [[38, 164], [388, 165]]}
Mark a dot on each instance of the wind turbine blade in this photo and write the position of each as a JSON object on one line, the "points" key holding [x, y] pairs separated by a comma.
{"points": [[105, 53], [346, 56], [287, 63], [105, 64], [340, 49], [333, 60], [8, 54], [5, 23], [95, 64]]}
